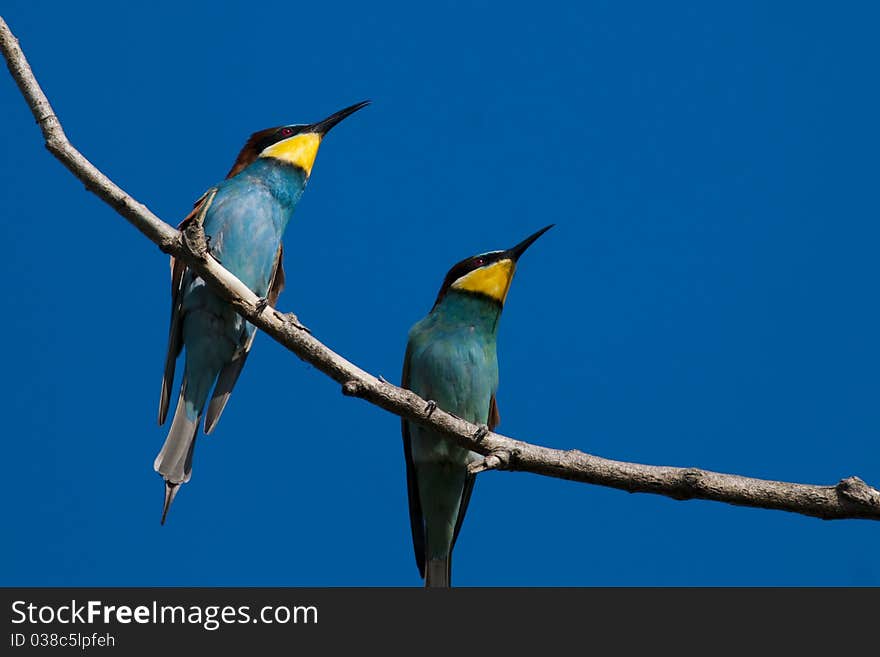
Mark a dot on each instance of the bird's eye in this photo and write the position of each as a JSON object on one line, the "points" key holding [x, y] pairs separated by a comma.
{"points": [[286, 132], [479, 262]]}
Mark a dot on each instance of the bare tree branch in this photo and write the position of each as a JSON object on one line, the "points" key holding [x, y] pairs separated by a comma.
{"points": [[850, 498]]}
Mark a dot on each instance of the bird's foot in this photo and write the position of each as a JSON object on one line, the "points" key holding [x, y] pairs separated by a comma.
{"points": [[430, 407], [494, 461], [481, 432], [261, 305], [209, 250]]}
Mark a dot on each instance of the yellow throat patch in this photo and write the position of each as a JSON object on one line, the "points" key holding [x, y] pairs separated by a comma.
{"points": [[492, 280], [299, 150]]}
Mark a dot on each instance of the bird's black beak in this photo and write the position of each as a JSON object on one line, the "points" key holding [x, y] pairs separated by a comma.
{"points": [[323, 127], [520, 248]]}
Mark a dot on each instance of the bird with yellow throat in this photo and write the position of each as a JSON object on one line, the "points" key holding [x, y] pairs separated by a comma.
{"points": [[244, 218], [451, 360]]}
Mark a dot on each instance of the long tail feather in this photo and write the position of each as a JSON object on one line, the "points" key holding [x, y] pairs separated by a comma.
{"points": [[438, 573], [223, 389], [174, 461], [170, 494]]}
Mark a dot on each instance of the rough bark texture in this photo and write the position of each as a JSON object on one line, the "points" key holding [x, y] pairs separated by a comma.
{"points": [[850, 498]]}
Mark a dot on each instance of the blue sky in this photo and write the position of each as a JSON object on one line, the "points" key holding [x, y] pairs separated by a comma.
{"points": [[707, 298]]}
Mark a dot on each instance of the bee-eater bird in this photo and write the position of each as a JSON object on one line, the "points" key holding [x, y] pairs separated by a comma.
{"points": [[244, 218], [451, 361]]}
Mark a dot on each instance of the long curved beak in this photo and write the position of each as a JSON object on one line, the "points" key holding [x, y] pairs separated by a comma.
{"points": [[323, 127], [520, 248]]}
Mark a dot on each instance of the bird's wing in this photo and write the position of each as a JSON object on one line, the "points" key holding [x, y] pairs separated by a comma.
{"points": [[175, 332], [229, 374], [175, 335], [492, 421], [494, 417], [416, 519]]}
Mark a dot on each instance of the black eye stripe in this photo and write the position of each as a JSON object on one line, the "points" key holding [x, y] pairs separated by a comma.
{"points": [[466, 267]]}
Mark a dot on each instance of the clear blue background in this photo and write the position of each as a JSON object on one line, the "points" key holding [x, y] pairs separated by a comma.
{"points": [[708, 297]]}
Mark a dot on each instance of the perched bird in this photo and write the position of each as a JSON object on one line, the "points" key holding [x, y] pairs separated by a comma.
{"points": [[451, 361], [244, 218]]}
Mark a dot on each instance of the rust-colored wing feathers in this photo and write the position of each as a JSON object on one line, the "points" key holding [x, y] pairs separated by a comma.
{"points": [[249, 152], [276, 285], [494, 417]]}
